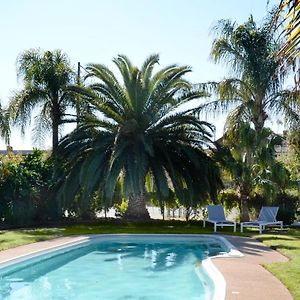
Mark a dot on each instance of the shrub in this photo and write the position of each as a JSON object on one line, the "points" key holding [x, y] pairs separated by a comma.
{"points": [[25, 188]]}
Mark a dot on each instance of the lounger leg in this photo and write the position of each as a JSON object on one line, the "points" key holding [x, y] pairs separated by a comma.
{"points": [[203, 223], [281, 225], [234, 228], [260, 229], [215, 227], [241, 227]]}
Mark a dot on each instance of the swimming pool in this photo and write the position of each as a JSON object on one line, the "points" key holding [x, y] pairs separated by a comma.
{"points": [[119, 267]]}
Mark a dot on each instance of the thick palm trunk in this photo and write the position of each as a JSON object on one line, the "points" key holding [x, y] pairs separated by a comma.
{"points": [[137, 208], [244, 204]]}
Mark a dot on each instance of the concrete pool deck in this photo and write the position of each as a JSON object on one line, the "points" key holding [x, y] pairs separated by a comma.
{"points": [[245, 277]]}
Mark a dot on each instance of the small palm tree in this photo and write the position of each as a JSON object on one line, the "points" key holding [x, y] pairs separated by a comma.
{"points": [[250, 159], [46, 76], [137, 130]]}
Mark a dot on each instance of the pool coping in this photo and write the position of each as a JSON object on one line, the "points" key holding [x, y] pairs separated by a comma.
{"points": [[220, 263]]}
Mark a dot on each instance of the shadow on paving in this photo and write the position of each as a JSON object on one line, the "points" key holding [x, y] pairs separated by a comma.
{"points": [[249, 246]]}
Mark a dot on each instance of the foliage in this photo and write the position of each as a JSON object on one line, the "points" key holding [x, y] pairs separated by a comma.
{"points": [[250, 159], [46, 77], [253, 93], [25, 184], [121, 208], [255, 89], [293, 156], [137, 130], [229, 198], [288, 203], [288, 15], [4, 125]]}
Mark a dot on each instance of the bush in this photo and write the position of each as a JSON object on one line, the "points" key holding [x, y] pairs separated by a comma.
{"points": [[229, 198], [25, 188], [288, 204]]}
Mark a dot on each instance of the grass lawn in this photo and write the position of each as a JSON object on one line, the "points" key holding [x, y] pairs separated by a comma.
{"points": [[287, 243]]}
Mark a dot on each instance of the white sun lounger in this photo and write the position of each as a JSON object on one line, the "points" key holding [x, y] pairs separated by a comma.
{"points": [[267, 217], [217, 217]]}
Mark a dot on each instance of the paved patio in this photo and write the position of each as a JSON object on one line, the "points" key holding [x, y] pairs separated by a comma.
{"points": [[245, 278]]}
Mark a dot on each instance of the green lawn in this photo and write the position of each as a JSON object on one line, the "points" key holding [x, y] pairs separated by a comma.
{"points": [[288, 243]]}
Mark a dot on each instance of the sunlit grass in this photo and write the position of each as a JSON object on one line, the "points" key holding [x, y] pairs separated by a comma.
{"points": [[288, 245], [14, 238]]}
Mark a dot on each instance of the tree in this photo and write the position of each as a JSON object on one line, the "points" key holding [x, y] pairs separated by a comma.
{"points": [[137, 129], [4, 125], [46, 76], [255, 91], [250, 159], [288, 14]]}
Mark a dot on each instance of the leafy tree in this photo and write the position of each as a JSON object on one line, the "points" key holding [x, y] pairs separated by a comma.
{"points": [[137, 129], [46, 76], [250, 159], [291, 158], [25, 188]]}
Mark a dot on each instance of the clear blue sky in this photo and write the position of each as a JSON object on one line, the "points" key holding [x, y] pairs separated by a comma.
{"points": [[97, 30]]}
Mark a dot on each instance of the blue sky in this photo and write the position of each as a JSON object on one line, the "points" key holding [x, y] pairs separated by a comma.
{"points": [[97, 30]]}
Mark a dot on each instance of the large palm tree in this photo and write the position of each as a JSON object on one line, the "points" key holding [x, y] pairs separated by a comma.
{"points": [[136, 130], [46, 76]]}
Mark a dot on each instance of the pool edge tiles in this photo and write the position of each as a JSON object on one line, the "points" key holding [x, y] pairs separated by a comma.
{"points": [[80, 241]]}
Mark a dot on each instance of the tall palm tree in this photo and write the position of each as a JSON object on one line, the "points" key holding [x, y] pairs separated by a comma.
{"points": [[136, 130], [256, 89], [46, 76]]}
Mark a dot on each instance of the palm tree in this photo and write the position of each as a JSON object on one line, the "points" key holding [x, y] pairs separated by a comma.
{"points": [[137, 130], [256, 90], [46, 76], [288, 14], [4, 125], [250, 159]]}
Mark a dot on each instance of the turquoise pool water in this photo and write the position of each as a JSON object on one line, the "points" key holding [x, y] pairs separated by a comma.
{"points": [[127, 268]]}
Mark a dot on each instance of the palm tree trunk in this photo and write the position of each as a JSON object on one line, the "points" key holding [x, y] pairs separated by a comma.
{"points": [[55, 114], [244, 204], [137, 208], [54, 135]]}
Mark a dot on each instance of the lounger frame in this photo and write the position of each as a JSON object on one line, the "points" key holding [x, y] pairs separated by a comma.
{"points": [[216, 216], [267, 218]]}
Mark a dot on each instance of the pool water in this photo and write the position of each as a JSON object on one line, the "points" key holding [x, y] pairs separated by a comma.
{"points": [[120, 268]]}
